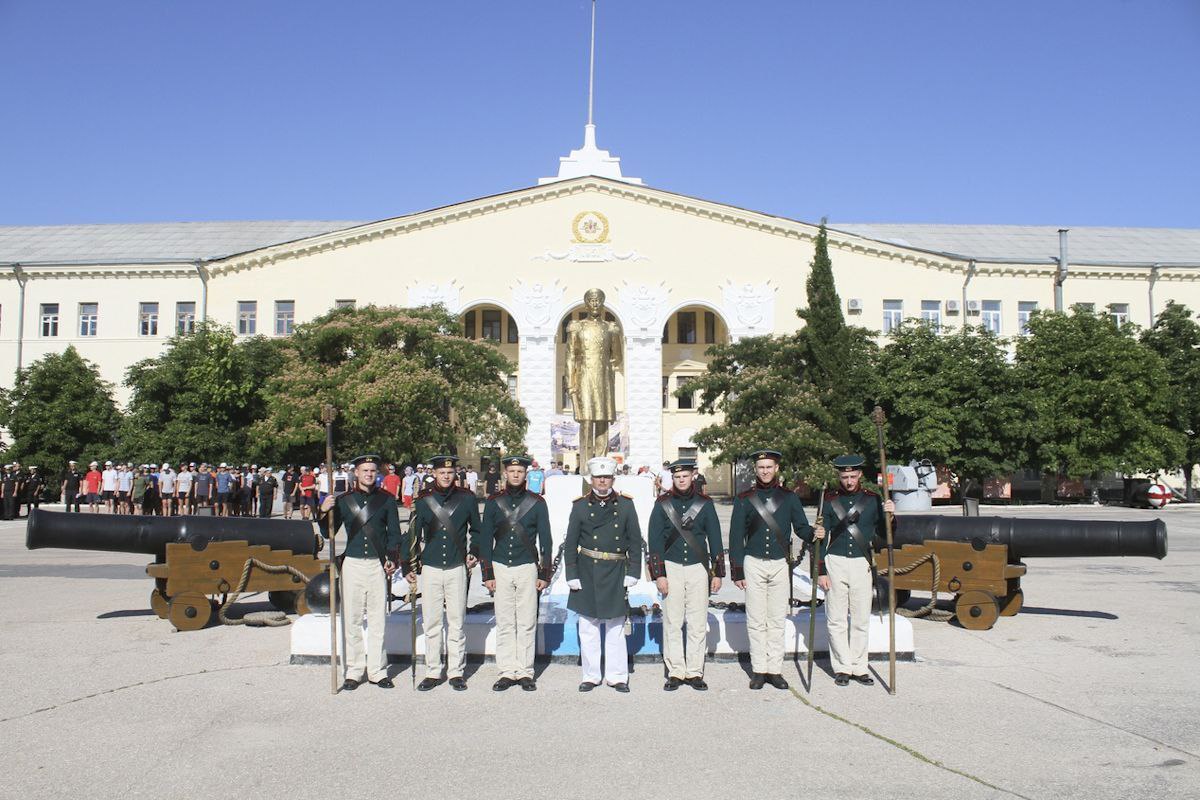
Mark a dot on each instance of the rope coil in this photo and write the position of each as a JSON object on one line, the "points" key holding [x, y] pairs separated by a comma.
{"points": [[929, 609], [271, 619]]}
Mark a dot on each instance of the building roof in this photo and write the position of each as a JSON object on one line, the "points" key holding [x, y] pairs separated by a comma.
{"points": [[1032, 244], [151, 241]]}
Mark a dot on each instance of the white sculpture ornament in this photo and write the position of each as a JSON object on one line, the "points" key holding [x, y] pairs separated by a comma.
{"points": [[643, 305], [538, 301], [429, 294], [751, 306]]}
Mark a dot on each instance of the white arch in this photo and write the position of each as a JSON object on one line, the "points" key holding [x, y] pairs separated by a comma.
{"points": [[705, 304]]}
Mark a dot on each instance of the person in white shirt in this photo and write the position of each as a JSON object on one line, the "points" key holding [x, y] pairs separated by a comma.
{"points": [[183, 485], [166, 489], [124, 489], [322, 484], [472, 479], [408, 488], [108, 485], [664, 478]]}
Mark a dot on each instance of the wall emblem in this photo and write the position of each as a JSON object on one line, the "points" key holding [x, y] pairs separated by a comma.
{"points": [[590, 227]]}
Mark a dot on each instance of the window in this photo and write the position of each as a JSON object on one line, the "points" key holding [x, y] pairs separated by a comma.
{"points": [[931, 313], [49, 319], [1085, 308], [666, 391], [689, 452], [344, 304], [666, 329], [148, 319], [990, 318], [185, 318], [893, 314], [285, 317], [513, 334], [685, 322], [469, 324], [89, 318], [1119, 313], [247, 317], [1025, 310], [686, 401], [512, 386], [491, 324], [566, 395], [710, 327]]}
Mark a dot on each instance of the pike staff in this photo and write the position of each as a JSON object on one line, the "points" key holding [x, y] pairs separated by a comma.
{"points": [[813, 557], [328, 414], [879, 419]]}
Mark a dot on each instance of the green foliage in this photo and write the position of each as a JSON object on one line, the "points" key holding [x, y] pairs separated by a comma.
{"points": [[835, 358], [59, 410], [755, 385], [1099, 397], [199, 398], [1176, 338], [954, 400], [404, 383]]}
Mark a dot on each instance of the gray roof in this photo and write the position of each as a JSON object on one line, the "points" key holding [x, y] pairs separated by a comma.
{"points": [[152, 241], [1039, 243]]}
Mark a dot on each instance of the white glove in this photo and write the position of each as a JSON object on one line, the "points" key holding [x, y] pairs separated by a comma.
{"points": [[574, 584], [630, 581]]}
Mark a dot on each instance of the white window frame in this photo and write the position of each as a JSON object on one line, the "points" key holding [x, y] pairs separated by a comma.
{"points": [[89, 324], [893, 316], [990, 316], [1118, 313], [931, 313], [49, 324], [247, 317], [185, 321], [285, 319], [1025, 309], [148, 319]]}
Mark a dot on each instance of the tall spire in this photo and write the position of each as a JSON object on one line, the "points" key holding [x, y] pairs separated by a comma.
{"points": [[589, 159]]}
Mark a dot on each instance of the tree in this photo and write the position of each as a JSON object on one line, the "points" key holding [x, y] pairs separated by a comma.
{"points": [[403, 380], [1098, 397], [954, 400], [836, 358], [60, 409], [756, 384], [199, 398], [1176, 338]]}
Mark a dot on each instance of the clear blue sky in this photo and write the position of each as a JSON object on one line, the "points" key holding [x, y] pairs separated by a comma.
{"points": [[1057, 112]]}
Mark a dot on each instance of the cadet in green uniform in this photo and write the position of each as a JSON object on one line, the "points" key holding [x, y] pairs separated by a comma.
{"points": [[515, 554], [445, 525], [687, 561], [760, 538], [372, 525], [602, 557], [846, 569]]}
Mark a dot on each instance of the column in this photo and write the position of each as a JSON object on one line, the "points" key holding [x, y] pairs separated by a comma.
{"points": [[537, 392], [643, 399]]}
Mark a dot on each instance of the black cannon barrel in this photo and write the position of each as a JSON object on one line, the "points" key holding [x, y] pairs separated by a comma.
{"points": [[1039, 538], [151, 535]]}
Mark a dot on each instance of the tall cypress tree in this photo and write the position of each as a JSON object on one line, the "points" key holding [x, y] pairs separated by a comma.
{"points": [[837, 358]]}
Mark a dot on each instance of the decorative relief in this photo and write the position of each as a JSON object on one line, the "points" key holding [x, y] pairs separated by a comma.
{"points": [[749, 307], [428, 294], [643, 399], [538, 301], [642, 306], [588, 253], [536, 391], [590, 227]]}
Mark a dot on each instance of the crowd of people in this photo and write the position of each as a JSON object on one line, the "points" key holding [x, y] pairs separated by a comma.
{"points": [[247, 489]]}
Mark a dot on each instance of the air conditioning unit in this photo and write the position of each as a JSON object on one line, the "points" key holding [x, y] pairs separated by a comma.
{"points": [[951, 306], [972, 306], [854, 305]]}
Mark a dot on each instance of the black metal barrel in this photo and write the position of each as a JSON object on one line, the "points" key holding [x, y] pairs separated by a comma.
{"points": [[1039, 538], [151, 535]]}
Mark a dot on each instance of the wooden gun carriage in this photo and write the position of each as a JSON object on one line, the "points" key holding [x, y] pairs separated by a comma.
{"points": [[198, 560]]}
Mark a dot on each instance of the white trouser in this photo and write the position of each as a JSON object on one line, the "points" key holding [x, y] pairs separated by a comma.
{"points": [[444, 588], [516, 620], [364, 591], [686, 603], [616, 665], [766, 606], [849, 593]]}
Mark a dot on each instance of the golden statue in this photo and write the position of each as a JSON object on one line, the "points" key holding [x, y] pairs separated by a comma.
{"points": [[593, 357]]}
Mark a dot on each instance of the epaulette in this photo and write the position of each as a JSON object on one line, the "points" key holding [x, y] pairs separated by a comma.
{"points": [[581, 497], [494, 495], [627, 496], [745, 494], [662, 497]]}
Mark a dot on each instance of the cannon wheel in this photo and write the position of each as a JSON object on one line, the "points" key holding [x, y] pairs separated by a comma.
{"points": [[189, 611], [1012, 604], [302, 604], [977, 610], [159, 602], [284, 601], [902, 596]]}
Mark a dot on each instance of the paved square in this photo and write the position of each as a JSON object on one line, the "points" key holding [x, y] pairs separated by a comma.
{"points": [[1091, 692]]}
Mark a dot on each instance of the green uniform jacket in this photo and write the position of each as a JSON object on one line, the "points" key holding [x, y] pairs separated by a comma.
{"points": [[870, 522], [437, 546], [706, 528], [607, 525], [749, 535], [509, 548], [380, 537]]}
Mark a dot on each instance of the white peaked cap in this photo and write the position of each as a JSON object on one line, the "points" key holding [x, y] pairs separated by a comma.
{"points": [[602, 466]]}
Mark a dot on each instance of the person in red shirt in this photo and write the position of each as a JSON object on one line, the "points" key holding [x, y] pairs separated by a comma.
{"points": [[92, 480], [391, 481], [308, 492]]}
